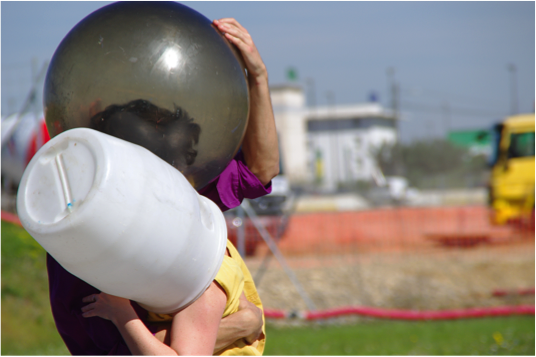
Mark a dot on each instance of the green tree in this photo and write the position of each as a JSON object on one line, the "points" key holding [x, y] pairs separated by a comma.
{"points": [[431, 164]]}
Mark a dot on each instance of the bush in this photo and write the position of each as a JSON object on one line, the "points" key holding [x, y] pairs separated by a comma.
{"points": [[433, 164]]}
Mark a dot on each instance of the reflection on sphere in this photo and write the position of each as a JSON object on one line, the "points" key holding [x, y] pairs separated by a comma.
{"points": [[169, 135], [157, 74]]}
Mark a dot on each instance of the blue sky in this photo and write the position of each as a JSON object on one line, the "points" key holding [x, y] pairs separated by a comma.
{"points": [[450, 59]]}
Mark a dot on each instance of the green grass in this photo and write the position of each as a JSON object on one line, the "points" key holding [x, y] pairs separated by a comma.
{"points": [[512, 335], [27, 324], [28, 327]]}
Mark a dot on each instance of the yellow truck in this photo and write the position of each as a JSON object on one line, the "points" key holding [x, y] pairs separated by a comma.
{"points": [[511, 188]]}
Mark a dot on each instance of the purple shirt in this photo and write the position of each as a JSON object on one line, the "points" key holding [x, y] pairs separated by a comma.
{"points": [[97, 336]]}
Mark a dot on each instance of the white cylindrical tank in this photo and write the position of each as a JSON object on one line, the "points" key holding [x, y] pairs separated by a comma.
{"points": [[120, 218]]}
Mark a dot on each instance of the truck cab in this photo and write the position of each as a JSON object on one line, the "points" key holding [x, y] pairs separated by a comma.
{"points": [[511, 188]]}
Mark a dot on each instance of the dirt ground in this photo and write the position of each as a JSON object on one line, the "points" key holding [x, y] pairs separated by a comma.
{"points": [[441, 278]]}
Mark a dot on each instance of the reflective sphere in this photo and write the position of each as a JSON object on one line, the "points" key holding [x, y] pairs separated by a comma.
{"points": [[157, 74]]}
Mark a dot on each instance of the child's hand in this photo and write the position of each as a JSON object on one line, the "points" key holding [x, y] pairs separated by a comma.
{"points": [[108, 307]]}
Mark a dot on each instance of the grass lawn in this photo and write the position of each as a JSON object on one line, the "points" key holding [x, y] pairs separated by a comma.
{"points": [[512, 335], [27, 324], [28, 327]]}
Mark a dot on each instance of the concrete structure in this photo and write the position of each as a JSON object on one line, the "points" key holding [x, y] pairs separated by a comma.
{"points": [[330, 145]]}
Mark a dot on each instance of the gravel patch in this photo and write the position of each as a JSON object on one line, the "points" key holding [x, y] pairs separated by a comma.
{"points": [[439, 280]]}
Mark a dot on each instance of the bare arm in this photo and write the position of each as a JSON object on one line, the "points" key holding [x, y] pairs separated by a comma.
{"points": [[259, 146], [138, 338], [194, 329], [246, 323]]}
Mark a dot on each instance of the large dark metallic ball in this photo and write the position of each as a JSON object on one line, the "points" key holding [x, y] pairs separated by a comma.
{"points": [[157, 74]]}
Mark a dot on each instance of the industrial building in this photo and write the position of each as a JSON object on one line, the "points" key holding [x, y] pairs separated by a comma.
{"points": [[329, 146]]}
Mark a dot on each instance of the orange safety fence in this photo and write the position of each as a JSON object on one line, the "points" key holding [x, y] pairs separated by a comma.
{"points": [[388, 229], [11, 218]]}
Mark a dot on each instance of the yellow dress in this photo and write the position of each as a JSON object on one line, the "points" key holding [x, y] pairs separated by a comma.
{"points": [[234, 277]]}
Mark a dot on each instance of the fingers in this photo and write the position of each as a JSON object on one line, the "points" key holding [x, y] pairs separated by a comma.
{"points": [[238, 37], [235, 33], [232, 27], [88, 307], [253, 315], [241, 38], [229, 21], [90, 298], [242, 302], [89, 314], [256, 321], [89, 310], [244, 49]]}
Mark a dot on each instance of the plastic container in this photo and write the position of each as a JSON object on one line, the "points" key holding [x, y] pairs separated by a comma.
{"points": [[120, 218]]}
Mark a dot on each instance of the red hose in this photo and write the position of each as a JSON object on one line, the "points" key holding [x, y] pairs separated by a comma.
{"points": [[406, 314], [275, 314], [501, 292]]}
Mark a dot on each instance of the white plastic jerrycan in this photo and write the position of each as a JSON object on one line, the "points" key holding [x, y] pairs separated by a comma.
{"points": [[120, 218]]}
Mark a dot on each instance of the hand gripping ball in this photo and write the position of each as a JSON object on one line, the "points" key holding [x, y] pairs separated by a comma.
{"points": [[157, 74]]}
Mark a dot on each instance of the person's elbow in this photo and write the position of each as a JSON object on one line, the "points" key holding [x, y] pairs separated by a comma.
{"points": [[273, 171], [267, 172], [264, 164]]}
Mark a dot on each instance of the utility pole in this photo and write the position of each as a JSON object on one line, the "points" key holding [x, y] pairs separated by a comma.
{"points": [[513, 88], [333, 136], [310, 82], [430, 128], [330, 98], [446, 118], [394, 99]]}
